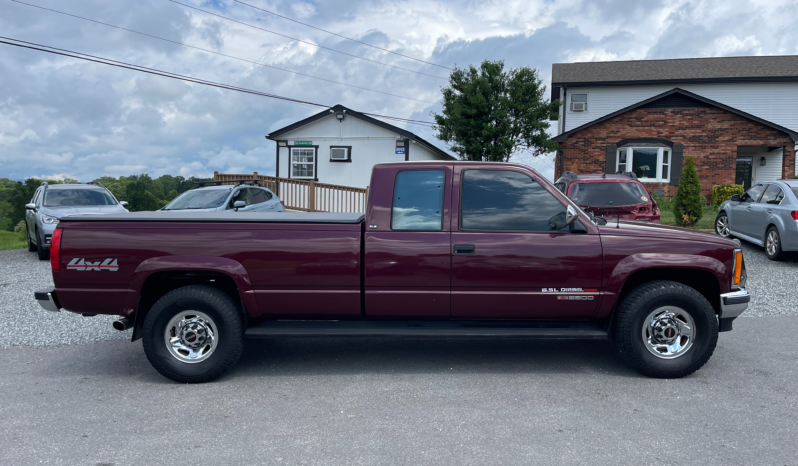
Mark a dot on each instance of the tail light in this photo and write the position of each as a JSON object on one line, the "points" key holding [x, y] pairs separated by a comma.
{"points": [[738, 267], [283, 203], [794, 215], [55, 249]]}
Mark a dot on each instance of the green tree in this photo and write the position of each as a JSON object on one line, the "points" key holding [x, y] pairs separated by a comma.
{"points": [[489, 113], [140, 199], [688, 204]]}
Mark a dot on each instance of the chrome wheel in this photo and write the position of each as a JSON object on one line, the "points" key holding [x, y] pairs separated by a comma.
{"points": [[668, 332], [772, 243], [191, 336], [722, 225]]}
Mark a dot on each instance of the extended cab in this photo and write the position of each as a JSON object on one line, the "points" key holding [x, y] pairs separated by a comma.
{"points": [[455, 249]]}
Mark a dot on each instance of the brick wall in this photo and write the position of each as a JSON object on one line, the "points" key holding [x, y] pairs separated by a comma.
{"points": [[709, 135]]}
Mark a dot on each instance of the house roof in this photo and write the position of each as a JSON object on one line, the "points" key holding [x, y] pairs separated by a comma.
{"points": [[678, 95], [274, 135]]}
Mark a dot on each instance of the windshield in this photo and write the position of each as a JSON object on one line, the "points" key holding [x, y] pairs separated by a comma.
{"points": [[608, 194], [77, 197], [199, 199]]}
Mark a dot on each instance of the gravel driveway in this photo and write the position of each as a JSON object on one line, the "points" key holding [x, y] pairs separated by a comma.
{"points": [[24, 322]]}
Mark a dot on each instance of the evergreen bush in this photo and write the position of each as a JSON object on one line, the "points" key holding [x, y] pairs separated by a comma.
{"points": [[688, 204]]}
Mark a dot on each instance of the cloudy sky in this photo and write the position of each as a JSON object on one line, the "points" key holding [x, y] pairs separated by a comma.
{"points": [[63, 117]]}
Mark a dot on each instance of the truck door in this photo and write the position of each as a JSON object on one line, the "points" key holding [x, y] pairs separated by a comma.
{"points": [[510, 260], [407, 242]]}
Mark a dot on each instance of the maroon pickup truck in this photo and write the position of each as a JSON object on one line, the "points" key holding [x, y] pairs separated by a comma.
{"points": [[445, 249]]}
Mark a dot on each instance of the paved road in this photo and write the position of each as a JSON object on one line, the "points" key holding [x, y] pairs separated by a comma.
{"points": [[364, 401]]}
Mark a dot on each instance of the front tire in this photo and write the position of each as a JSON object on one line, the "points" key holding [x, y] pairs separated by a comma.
{"points": [[43, 254], [722, 225], [773, 244], [31, 245], [194, 334], [665, 329]]}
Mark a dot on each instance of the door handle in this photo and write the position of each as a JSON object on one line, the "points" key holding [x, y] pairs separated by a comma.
{"points": [[464, 249], [748, 209]]}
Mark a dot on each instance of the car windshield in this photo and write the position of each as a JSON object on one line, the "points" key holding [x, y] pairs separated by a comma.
{"points": [[607, 194], [77, 197], [199, 199]]}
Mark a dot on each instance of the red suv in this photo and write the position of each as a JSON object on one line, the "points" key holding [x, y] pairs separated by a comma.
{"points": [[610, 196]]}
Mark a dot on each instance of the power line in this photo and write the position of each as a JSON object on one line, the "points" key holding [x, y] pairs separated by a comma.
{"points": [[219, 53], [306, 42], [344, 37], [168, 74]]}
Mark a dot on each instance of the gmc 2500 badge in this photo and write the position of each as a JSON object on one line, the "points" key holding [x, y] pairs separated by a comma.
{"points": [[83, 264]]}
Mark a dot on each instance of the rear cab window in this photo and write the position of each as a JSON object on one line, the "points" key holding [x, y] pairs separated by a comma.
{"points": [[418, 200], [505, 200]]}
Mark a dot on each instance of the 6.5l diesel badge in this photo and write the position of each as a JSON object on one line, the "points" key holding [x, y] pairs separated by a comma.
{"points": [[83, 264]]}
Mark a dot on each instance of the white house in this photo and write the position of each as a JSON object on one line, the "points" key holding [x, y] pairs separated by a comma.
{"points": [[340, 146]]}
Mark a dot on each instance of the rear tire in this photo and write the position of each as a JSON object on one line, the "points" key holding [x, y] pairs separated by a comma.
{"points": [[44, 254], [651, 327], [722, 225], [773, 244], [31, 245], [194, 334]]}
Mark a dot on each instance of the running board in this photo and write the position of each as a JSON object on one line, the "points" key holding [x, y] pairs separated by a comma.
{"points": [[341, 328]]}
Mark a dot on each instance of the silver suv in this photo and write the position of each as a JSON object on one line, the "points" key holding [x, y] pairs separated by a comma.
{"points": [[52, 202]]}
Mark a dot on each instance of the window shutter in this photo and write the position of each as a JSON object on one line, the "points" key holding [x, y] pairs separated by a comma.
{"points": [[612, 155], [676, 163]]}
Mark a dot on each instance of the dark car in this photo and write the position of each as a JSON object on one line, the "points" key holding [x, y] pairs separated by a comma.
{"points": [[610, 196]]}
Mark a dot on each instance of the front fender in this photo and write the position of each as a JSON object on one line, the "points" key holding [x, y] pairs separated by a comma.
{"points": [[650, 261], [229, 267]]}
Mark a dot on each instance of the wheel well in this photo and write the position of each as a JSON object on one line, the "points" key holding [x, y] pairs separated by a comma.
{"points": [[702, 281], [160, 283]]}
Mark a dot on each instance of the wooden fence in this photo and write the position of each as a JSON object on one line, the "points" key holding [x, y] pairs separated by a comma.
{"points": [[307, 195]]}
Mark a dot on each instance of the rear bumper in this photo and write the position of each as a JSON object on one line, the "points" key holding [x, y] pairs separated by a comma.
{"points": [[48, 300]]}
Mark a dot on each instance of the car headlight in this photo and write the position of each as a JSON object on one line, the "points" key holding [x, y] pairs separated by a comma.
{"points": [[48, 219]]}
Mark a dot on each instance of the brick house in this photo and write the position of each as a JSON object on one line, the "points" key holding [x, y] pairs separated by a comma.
{"points": [[647, 116]]}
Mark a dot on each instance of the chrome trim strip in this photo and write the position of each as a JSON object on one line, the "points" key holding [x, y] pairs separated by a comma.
{"points": [[737, 303]]}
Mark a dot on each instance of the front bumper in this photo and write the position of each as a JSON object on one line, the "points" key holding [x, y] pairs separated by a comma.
{"points": [[48, 300], [732, 304]]}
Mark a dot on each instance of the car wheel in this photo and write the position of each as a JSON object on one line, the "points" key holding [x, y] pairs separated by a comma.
{"points": [[194, 334], [722, 225], [665, 329], [43, 253], [773, 245], [31, 245]]}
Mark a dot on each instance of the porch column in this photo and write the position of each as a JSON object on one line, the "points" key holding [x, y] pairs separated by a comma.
{"points": [[788, 162]]}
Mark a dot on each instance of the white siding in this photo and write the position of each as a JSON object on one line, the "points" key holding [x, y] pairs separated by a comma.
{"points": [[775, 102], [773, 160], [371, 144]]}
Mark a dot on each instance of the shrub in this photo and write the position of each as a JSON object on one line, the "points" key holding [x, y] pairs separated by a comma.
{"points": [[723, 192], [21, 226], [688, 204]]}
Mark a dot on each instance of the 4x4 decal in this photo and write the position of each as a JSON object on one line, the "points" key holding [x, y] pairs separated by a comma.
{"points": [[83, 264]]}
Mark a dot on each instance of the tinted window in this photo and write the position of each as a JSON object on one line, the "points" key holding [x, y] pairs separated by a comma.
{"points": [[507, 200], [418, 200], [752, 195], [608, 194], [240, 195], [773, 195], [199, 199], [257, 195], [794, 190], [76, 197]]}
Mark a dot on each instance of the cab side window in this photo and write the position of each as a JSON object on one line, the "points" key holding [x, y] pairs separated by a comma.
{"points": [[240, 195], [507, 200], [773, 195], [418, 200], [752, 195]]}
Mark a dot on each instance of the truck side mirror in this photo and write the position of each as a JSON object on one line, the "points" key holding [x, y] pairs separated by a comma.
{"points": [[239, 205], [570, 215], [30, 206], [735, 198]]}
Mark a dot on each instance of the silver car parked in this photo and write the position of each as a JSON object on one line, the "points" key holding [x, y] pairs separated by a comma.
{"points": [[213, 196], [52, 202], [766, 215]]}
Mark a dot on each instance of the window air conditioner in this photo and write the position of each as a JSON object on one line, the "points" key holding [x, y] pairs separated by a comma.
{"points": [[578, 106], [339, 153]]}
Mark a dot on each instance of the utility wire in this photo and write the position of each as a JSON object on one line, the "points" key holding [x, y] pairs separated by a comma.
{"points": [[306, 42], [219, 53], [167, 74], [343, 37]]}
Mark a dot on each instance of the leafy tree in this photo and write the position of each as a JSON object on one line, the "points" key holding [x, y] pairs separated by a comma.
{"points": [[489, 113], [688, 204], [140, 199]]}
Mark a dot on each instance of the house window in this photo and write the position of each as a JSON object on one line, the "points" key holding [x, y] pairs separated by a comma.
{"points": [[340, 153], [303, 162], [650, 164], [578, 102]]}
